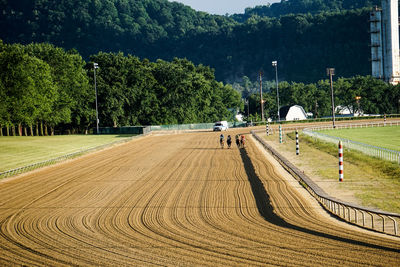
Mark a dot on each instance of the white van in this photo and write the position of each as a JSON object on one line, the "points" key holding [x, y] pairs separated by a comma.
{"points": [[220, 126]]}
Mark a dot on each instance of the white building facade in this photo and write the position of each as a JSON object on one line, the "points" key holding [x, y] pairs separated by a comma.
{"points": [[292, 113], [385, 52]]}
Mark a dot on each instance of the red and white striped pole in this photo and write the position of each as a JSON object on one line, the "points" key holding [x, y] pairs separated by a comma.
{"points": [[340, 162]]}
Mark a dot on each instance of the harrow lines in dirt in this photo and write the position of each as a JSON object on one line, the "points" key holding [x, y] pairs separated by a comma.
{"points": [[197, 242], [173, 200], [297, 214]]}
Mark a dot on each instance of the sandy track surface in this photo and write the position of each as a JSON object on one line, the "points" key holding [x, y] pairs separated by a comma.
{"points": [[174, 200]]}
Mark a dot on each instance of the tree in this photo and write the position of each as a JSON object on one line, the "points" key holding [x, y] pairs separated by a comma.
{"points": [[70, 77], [305, 35], [27, 86]]}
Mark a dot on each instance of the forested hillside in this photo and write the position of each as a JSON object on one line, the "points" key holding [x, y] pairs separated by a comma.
{"points": [[303, 7], [303, 44], [104, 25]]}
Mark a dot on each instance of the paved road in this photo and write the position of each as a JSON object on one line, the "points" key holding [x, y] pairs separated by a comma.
{"points": [[174, 200]]}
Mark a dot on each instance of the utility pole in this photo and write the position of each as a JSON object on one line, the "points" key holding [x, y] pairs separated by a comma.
{"points": [[96, 66], [330, 72], [248, 107], [261, 97], [275, 64]]}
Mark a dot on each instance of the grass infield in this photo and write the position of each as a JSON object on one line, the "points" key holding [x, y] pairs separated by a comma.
{"points": [[386, 137], [19, 151]]}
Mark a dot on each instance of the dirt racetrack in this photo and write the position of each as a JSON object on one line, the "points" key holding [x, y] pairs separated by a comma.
{"points": [[175, 200]]}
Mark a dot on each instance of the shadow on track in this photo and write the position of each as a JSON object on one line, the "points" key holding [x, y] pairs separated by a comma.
{"points": [[267, 211]]}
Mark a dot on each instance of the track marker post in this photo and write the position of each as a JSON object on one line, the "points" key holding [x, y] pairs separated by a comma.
{"points": [[340, 161], [280, 134], [267, 128], [297, 143]]}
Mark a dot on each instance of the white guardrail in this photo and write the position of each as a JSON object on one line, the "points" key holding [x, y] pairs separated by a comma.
{"points": [[375, 151], [61, 158], [375, 220]]}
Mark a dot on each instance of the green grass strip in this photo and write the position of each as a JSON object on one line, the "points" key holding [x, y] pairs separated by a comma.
{"points": [[20, 151], [385, 137]]}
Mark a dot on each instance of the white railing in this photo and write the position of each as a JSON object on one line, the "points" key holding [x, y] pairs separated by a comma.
{"points": [[371, 219], [374, 151], [59, 159]]}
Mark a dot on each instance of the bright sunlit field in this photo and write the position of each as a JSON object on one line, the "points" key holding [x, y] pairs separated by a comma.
{"points": [[386, 137], [18, 151]]}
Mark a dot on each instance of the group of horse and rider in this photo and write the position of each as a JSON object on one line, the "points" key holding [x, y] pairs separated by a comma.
{"points": [[240, 140]]}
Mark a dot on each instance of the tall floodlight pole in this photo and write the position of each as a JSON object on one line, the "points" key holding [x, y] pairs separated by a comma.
{"points": [[330, 72], [261, 97], [275, 64], [96, 66], [248, 107]]}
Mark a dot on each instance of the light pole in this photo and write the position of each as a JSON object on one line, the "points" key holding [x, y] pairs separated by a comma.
{"points": [[275, 64], [261, 97], [96, 66], [247, 101], [330, 72]]}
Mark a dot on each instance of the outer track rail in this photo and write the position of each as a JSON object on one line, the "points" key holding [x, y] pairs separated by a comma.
{"points": [[371, 219]]}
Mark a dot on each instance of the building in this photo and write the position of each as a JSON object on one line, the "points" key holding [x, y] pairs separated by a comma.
{"points": [[385, 52], [292, 113], [348, 111]]}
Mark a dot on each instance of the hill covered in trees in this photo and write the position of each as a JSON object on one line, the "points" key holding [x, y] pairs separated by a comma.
{"points": [[294, 32], [303, 7]]}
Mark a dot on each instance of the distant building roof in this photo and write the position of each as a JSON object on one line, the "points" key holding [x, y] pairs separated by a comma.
{"points": [[291, 113]]}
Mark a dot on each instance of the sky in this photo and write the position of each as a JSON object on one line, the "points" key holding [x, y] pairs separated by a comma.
{"points": [[222, 7]]}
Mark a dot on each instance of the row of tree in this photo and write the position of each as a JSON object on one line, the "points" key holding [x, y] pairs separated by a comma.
{"points": [[373, 96], [305, 36], [43, 86], [140, 92]]}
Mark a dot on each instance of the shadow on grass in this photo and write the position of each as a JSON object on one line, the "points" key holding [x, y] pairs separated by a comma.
{"points": [[267, 211]]}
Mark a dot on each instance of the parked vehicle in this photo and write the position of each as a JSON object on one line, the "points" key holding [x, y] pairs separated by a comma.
{"points": [[220, 126]]}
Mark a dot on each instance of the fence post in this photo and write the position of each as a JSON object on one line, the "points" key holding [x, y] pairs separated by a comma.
{"points": [[340, 161], [297, 143]]}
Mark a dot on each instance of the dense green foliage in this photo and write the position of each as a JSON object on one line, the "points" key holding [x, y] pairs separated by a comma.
{"points": [[138, 92], [104, 25], [42, 85], [303, 7], [377, 97], [304, 44]]}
